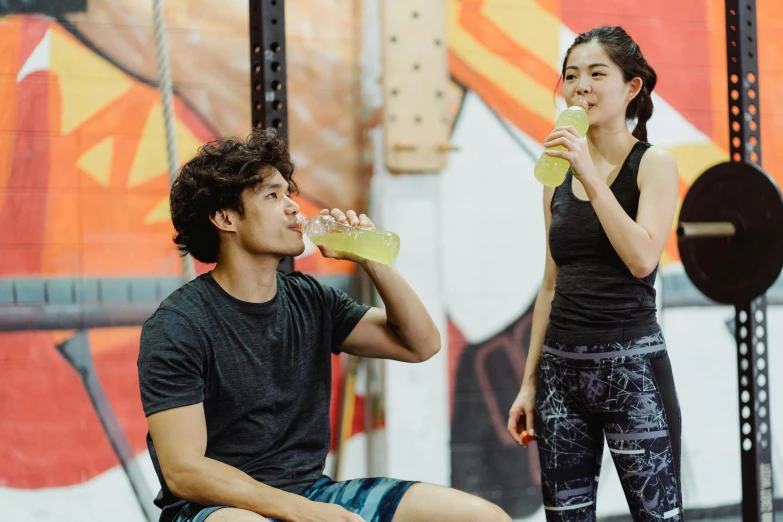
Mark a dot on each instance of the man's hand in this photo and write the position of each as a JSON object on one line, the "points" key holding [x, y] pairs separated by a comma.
{"points": [[349, 218], [320, 512]]}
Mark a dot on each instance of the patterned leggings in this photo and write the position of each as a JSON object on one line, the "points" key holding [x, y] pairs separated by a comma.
{"points": [[621, 391]]}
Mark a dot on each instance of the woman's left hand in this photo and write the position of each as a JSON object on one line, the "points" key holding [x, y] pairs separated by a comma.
{"points": [[576, 153]]}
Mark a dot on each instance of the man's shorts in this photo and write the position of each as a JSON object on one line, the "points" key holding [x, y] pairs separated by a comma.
{"points": [[374, 499]]}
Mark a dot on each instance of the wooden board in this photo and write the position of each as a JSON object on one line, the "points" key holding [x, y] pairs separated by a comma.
{"points": [[415, 80]]}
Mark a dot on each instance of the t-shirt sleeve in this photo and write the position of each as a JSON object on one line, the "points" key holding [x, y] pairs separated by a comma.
{"points": [[170, 364], [345, 314]]}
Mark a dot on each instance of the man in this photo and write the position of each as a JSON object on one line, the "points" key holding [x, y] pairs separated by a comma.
{"points": [[234, 367]]}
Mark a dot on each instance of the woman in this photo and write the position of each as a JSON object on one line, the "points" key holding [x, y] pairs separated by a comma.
{"points": [[597, 365]]}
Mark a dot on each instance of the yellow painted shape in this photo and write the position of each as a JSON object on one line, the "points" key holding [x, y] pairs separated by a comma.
{"points": [[96, 162], [88, 83], [160, 213], [151, 156], [529, 26], [694, 158], [516, 84]]}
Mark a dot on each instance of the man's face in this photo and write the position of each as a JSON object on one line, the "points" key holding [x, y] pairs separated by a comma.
{"points": [[268, 226]]}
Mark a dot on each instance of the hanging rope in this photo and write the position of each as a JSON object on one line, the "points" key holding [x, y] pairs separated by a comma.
{"points": [[167, 95]]}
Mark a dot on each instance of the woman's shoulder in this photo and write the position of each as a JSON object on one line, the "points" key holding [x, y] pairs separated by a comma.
{"points": [[657, 162], [656, 155]]}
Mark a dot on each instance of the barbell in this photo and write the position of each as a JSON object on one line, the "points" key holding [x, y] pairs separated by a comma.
{"points": [[730, 232]]}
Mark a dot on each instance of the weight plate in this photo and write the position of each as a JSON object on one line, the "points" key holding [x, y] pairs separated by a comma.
{"points": [[739, 269]]}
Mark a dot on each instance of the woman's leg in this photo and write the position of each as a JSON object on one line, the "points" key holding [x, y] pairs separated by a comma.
{"points": [[643, 434], [570, 446], [664, 378]]}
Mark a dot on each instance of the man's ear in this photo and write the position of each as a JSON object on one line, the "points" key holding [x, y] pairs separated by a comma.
{"points": [[224, 220]]}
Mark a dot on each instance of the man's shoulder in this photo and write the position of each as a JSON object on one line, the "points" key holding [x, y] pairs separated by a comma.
{"points": [[184, 306], [309, 295], [297, 278], [299, 283], [188, 298]]}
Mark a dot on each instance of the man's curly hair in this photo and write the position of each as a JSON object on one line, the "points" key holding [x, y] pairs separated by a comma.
{"points": [[215, 180]]}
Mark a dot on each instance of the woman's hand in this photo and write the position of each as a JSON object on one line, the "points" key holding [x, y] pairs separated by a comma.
{"points": [[574, 150]]}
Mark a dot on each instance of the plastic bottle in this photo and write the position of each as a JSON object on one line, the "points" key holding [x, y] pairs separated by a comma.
{"points": [[369, 243], [551, 171]]}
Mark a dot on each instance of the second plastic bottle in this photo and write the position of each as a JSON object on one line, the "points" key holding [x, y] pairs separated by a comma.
{"points": [[549, 170], [370, 243]]}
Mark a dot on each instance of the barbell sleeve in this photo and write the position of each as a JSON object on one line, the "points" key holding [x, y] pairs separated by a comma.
{"points": [[706, 229]]}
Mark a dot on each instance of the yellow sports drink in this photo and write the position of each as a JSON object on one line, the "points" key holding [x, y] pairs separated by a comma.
{"points": [[552, 171], [370, 243]]}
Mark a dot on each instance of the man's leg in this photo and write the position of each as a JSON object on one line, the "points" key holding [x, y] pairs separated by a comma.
{"points": [[431, 503], [384, 499], [233, 515], [420, 503], [194, 513]]}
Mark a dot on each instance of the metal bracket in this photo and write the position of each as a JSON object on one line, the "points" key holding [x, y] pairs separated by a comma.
{"points": [[751, 318], [268, 86], [76, 351]]}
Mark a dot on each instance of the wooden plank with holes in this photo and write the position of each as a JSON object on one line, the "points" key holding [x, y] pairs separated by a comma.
{"points": [[415, 80]]}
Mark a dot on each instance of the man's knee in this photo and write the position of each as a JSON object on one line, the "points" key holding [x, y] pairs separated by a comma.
{"points": [[488, 511], [480, 510], [431, 502], [234, 515]]}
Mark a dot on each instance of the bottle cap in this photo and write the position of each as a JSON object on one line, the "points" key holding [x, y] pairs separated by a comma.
{"points": [[527, 436], [582, 103]]}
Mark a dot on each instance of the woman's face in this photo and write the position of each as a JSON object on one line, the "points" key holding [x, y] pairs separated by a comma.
{"points": [[592, 76]]}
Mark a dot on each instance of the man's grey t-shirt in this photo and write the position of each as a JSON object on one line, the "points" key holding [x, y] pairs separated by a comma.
{"points": [[262, 372]]}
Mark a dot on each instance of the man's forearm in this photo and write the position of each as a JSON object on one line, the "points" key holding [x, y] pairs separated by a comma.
{"points": [[212, 483], [406, 314]]}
